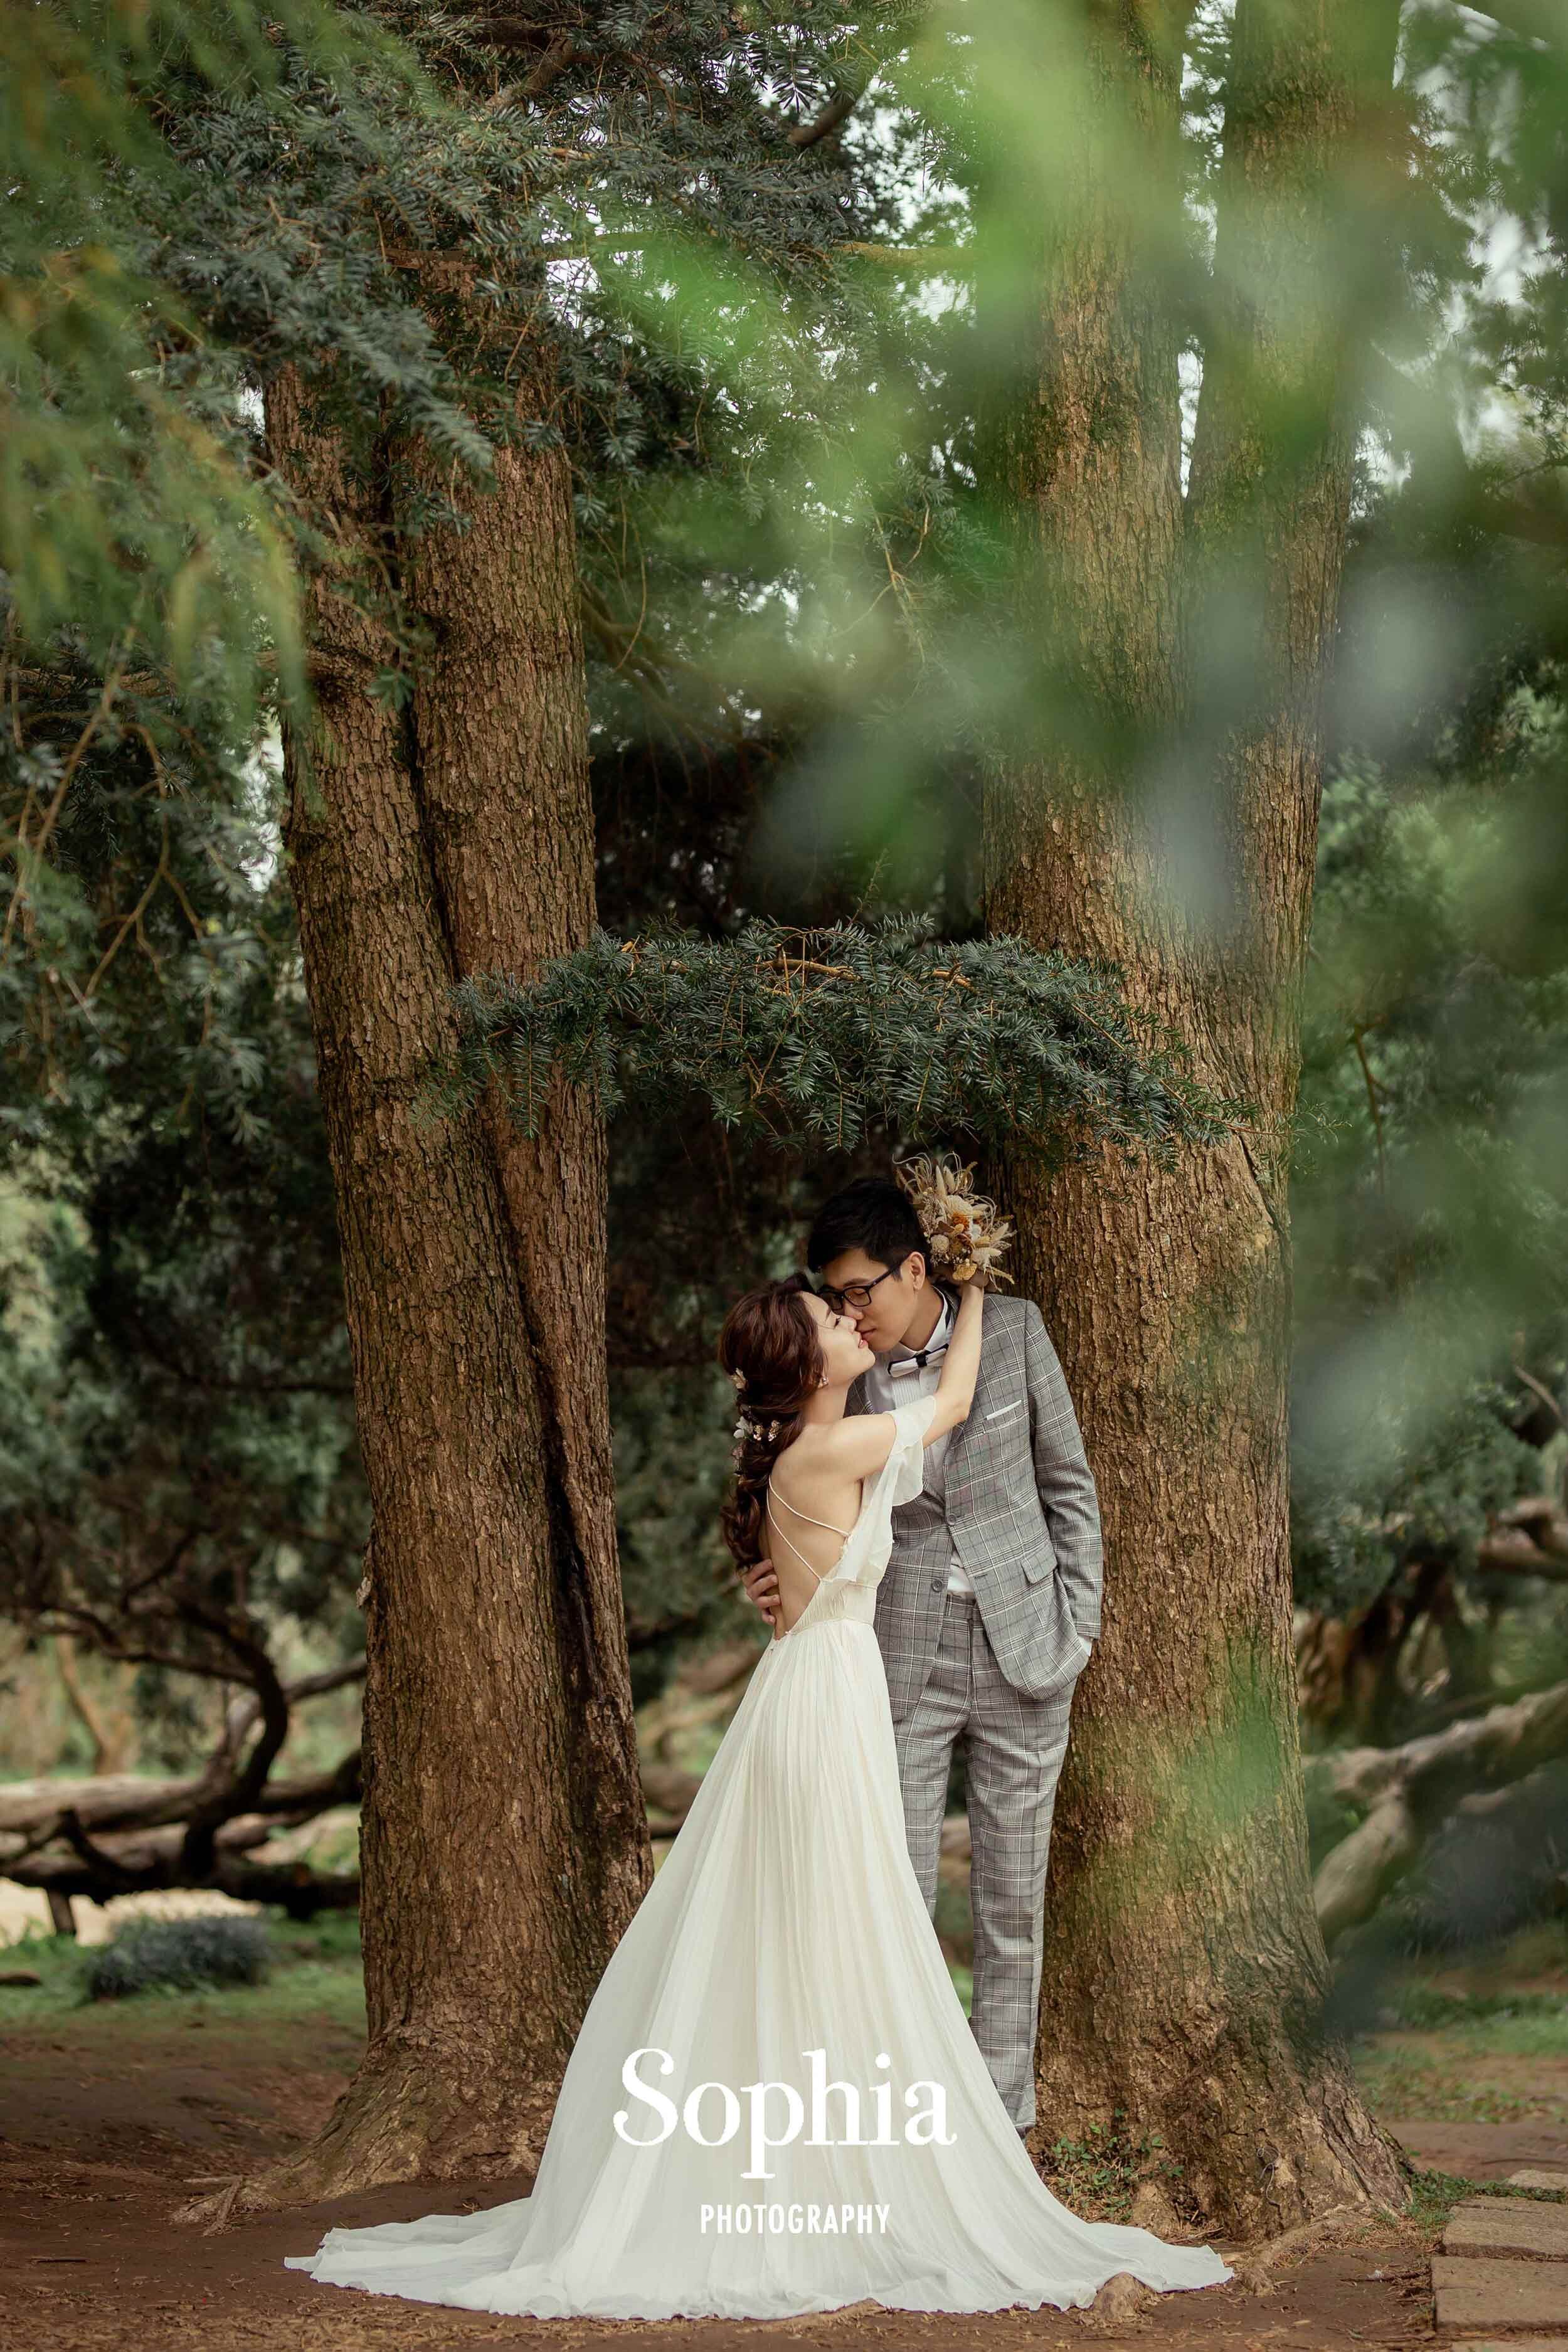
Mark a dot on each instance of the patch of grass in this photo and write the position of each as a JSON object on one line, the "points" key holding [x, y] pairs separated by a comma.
{"points": [[207, 1948], [1097, 2175], [1526, 2033], [1485, 2041], [314, 1973], [1434, 2195], [1529, 2024], [1414, 2084], [954, 1920], [55, 1961], [329, 1935]]}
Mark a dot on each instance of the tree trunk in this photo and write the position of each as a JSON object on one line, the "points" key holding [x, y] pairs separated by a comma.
{"points": [[503, 1845], [502, 725], [111, 1741], [1185, 1975]]}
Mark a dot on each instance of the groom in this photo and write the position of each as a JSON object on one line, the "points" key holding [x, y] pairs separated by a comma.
{"points": [[990, 1602]]}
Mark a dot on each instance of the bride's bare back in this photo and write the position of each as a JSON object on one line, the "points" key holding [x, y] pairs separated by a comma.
{"points": [[812, 1527], [809, 1515]]}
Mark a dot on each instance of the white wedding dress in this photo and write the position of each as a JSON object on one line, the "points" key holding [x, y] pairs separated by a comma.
{"points": [[787, 1918]]}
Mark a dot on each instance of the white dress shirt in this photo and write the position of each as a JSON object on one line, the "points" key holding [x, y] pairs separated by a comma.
{"points": [[883, 1392]]}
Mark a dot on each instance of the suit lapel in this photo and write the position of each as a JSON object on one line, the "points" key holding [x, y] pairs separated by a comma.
{"points": [[990, 1355], [962, 1441], [967, 1442]]}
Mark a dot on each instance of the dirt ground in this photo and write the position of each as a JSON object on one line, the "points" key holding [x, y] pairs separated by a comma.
{"points": [[89, 2259], [97, 2148], [109, 2110]]}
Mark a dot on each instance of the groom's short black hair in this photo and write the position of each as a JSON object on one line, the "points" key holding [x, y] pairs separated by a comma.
{"points": [[873, 1214]]}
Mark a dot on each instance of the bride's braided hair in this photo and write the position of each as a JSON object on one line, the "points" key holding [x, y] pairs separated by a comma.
{"points": [[769, 1348]]}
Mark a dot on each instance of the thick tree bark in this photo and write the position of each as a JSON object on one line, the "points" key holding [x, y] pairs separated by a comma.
{"points": [[505, 1845], [1185, 1975], [500, 723]]}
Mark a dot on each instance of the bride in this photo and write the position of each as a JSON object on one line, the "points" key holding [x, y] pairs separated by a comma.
{"points": [[775, 2105]]}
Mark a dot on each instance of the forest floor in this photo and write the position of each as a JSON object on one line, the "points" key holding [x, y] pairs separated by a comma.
{"points": [[109, 2109]]}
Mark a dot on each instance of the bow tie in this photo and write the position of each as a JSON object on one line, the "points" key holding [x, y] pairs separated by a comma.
{"points": [[918, 1361]]}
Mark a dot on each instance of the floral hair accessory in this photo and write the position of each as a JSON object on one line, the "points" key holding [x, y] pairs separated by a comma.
{"points": [[748, 1425], [966, 1232]]}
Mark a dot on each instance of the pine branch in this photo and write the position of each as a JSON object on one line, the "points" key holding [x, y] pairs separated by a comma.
{"points": [[812, 1036]]}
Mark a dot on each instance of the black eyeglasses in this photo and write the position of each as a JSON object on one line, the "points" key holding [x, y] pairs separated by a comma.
{"points": [[854, 1294]]}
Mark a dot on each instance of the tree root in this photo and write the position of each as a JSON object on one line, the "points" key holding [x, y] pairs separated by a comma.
{"points": [[1256, 2263], [394, 2122], [1118, 2308]]}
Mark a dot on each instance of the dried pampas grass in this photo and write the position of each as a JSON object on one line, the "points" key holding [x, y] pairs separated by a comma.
{"points": [[966, 1232]]}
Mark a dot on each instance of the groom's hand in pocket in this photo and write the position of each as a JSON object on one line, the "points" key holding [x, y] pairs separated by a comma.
{"points": [[763, 1587]]}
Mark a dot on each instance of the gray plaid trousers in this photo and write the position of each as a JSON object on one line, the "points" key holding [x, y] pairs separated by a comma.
{"points": [[1015, 1746]]}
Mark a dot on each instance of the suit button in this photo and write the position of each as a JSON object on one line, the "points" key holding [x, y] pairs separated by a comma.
{"points": [[937, 1582]]}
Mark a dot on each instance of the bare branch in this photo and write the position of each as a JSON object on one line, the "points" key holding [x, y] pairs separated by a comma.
{"points": [[838, 111], [1409, 1791], [1529, 1539]]}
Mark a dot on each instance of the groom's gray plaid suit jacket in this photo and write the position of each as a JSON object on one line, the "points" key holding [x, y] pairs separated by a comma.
{"points": [[1019, 1509]]}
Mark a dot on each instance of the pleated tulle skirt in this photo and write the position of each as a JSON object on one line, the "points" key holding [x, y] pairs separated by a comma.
{"points": [[786, 1920]]}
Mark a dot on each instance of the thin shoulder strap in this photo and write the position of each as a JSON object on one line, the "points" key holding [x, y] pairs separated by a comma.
{"points": [[828, 1524], [784, 1537]]}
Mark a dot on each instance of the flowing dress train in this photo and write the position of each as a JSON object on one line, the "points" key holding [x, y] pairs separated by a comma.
{"points": [[785, 1919]]}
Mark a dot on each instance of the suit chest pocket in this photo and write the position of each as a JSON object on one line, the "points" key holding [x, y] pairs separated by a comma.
{"points": [[991, 1449], [1000, 1437]]}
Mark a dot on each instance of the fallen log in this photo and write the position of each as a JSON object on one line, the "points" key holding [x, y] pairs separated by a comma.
{"points": [[1406, 1793], [669, 1794], [705, 1690], [124, 1836], [1529, 1539], [149, 1861], [128, 1801]]}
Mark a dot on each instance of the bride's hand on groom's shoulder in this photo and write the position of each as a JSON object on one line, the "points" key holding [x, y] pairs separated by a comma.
{"points": [[763, 1587]]}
